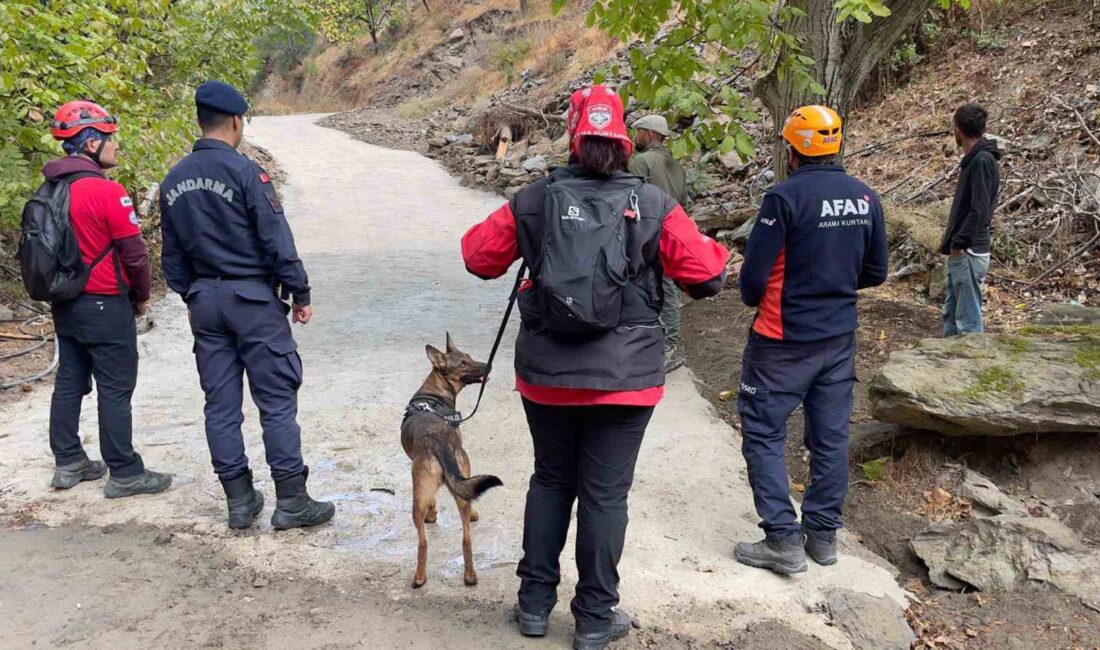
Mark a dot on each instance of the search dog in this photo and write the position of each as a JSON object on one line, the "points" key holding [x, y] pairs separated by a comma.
{"points": [[432, 440]]}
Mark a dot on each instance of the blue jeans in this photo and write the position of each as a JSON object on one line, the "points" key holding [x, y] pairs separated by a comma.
{"points": [[777, 376], [962, 311]]}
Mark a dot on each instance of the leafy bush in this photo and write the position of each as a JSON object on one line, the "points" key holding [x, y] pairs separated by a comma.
{"points": [[506, 57], [283, 50], [140, 59]]}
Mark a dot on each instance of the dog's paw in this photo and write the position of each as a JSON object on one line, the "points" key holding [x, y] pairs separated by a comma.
{"points": [[471, 580], [474, 514], [430, 518], [419, 582]]}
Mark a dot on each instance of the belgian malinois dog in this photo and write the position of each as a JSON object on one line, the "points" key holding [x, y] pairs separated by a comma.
{"points": [[432, 440]]}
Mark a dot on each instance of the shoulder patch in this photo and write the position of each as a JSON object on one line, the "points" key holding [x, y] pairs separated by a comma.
{"points": [[273, 200], [125, 201], [264, 178], [133, 217]]}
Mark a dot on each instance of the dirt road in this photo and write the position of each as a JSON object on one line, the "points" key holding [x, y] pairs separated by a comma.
{"points": [[378, 230]]}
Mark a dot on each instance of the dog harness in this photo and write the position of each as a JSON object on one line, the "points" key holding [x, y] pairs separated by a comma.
{"points": [[435, 406]]}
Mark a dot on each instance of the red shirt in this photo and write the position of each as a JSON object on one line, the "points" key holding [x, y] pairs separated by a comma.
{"points": [[102, 213]]}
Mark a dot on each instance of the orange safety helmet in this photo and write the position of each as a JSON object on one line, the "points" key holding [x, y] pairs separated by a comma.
{"points": [[814, 131], [74, 117]]}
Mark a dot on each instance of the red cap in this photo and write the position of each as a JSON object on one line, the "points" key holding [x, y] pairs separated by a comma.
{"points": [[597, 112]]}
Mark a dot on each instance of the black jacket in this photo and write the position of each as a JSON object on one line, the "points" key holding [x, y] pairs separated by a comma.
{"points": [[975, 199], [220, 216]]}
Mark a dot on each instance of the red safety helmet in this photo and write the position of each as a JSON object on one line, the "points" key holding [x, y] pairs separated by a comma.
{"points": [[74, 117]]}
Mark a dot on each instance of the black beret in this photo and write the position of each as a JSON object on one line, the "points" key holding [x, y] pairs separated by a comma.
{"points": [[220, 96]]}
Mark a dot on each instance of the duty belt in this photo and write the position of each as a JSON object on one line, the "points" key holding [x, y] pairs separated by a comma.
{"points": [[266, 279]]}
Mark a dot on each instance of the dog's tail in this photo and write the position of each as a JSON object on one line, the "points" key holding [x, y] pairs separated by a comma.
{"points": [[460, 486]]}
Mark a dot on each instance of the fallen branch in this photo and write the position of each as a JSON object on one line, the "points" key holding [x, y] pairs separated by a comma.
{"points": [[1089, 245], [867, 151], [931, 186], [530, 112], [1080, 118]]}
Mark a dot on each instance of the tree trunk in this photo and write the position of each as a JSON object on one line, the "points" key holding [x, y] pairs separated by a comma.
{"points": [[844, 54], [523, 7]]}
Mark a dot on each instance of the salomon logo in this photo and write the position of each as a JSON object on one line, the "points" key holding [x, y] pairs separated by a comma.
{"points": [[573, 215]]}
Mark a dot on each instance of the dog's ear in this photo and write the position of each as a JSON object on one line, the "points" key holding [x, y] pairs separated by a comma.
{"points": [[450, 343], [438, 359]]}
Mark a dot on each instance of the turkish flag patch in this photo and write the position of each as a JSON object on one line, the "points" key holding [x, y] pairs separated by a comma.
{"points": [[264, 178]]}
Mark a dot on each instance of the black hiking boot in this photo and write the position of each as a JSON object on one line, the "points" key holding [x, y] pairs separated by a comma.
{"points": [[145, 483], [783, 555], [820, 545], [294, 508], [245, 501], [531, 624], [71, 475], [620, 627]]}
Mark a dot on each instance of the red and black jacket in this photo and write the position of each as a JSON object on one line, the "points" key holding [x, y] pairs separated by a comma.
{"points": [[103, 215], [820, 237], [623, 365]]}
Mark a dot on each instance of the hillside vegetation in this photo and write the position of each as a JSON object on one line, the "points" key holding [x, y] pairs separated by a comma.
{"points": [[141, 59]]}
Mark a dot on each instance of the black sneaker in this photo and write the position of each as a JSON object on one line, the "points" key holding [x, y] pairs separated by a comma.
{"points": [[820, 545], [531, 624], [783, 555], [69, 476], [620, 627], [145, 483]]}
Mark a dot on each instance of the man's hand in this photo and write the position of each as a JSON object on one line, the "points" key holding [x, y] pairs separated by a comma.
{"points": [[303, 314], [141, 308]]}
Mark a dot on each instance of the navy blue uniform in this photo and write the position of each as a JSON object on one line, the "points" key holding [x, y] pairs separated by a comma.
{"points": [[819, 238], [227, 247]]}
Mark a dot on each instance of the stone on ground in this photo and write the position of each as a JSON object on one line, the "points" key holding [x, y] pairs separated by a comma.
{"points": [[1044, 380]]}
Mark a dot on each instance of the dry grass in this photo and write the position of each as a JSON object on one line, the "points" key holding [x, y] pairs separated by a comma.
{"points": [[923, 223], [344, 76]]}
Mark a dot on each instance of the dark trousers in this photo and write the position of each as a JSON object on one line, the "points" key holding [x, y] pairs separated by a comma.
{"points": [[776, 377], [240, 326], [585, 454], [97, 339]]}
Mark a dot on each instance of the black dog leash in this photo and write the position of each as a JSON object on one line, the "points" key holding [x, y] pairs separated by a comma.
{"points": [[496, 344]]}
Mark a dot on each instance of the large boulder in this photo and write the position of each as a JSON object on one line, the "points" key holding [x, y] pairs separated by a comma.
{"points": [[1001, 553], [1045, 379]]}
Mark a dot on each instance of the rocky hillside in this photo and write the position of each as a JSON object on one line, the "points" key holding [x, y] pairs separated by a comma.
{"points": [[1035, 64]]}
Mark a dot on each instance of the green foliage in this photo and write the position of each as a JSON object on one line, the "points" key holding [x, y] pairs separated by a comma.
{"points": [[987, 42], [875, 470], [283, 49], [865, 10], [995, 380], [506, 57], [905, 56], [691, 58], [140, 59], [341, 21]]}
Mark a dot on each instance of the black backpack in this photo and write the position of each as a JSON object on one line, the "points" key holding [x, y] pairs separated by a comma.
{"points": [[583, 267], [49, 254]]}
